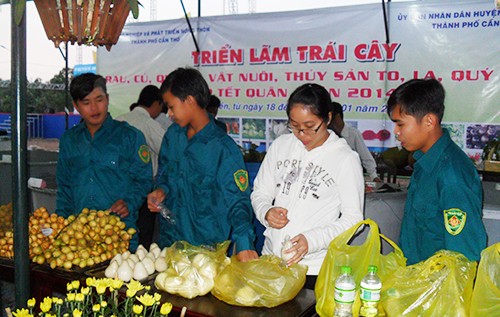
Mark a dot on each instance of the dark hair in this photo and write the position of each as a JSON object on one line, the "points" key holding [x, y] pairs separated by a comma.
{"points": [[418, 97], [149, 95], [133, 106], [337, 109], [184, 82], [84, 84], [312, 96], [213, 103]]}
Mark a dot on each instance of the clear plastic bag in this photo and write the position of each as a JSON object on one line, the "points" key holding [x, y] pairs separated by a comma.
{"points": [[439, 286], [264, 282], [358, 257], [191, 270], [486, 293]]}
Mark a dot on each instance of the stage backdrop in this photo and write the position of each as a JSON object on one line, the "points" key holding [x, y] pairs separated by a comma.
{"points": [[254, 62]]}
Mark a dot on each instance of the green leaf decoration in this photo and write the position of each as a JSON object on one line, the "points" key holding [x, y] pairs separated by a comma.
{"points": [[20, 7], [134, 7]]}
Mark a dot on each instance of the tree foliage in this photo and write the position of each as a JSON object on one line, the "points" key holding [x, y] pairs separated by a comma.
{"points": [[41, 97]]}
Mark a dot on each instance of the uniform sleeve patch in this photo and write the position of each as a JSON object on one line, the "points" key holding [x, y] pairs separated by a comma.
{"points": [[454, 220], [144, 153], [241, 179]]}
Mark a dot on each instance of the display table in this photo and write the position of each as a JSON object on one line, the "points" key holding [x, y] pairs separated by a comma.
{"points": [[44, 280], [302, 305]]}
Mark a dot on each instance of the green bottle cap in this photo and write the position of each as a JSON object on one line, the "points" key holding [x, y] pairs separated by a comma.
{"points": [[345, 270], [372, 268]]}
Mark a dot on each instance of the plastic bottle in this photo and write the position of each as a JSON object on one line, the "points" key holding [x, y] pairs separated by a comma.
{"points": [[370, 293], [345, 291]]}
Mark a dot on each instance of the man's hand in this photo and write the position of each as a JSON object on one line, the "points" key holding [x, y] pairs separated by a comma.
{"points": [[277, 218], [120, 208], [154, 198], [247, 255]]}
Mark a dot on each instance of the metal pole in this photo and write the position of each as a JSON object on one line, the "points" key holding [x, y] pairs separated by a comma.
{"points": [[19, 160], [66, 90], [190, 27]]}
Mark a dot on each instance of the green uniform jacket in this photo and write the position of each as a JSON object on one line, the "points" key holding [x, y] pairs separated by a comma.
{"points": [[444, 205], [96, 172], [207, 189]]}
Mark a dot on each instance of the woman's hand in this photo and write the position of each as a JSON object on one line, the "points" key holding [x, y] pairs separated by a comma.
{"points": [[154, 198], [277, 218], [300, 247]]}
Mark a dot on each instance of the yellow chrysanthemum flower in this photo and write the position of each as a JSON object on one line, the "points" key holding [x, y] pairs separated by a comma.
{"points": [[165, 309], [101, 285], [85, 290], [50, 315], [146, 299], [77, 313], [157, 297], [90, 281], [133, 284], [57, 300], [31, 302], [116, 284], [71, 297], [131, 293], [137, 309], [69, 287], [96, 308], [22, 313], [79, 297], [104, 304], [75, 284], [46, 304]]}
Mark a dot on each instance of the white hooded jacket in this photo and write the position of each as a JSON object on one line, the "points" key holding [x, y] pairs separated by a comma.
{"points": [[322, 189]]}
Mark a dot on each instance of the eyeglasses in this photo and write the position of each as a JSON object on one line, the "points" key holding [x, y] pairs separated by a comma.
{"points": [[306, 131]]}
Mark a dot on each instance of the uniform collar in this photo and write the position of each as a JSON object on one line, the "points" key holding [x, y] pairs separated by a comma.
{"points": [[108, 123], [206, 134], [428, 160]]}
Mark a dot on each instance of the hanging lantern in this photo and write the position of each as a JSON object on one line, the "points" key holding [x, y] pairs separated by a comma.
{"points": [[89, 22]]}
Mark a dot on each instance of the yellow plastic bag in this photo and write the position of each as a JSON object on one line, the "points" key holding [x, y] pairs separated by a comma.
{"points": [[264, 282], [191, 270], [486, 294], [358, 257], [438, 286]]}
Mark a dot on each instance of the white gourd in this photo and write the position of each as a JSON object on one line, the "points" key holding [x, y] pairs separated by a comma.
{"points": [[160, 264], [149, 265], [125, 272], [140, 272], [111, 270]]}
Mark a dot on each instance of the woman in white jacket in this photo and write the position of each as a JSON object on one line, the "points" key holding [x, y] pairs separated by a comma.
{"points": [[310, 185]]}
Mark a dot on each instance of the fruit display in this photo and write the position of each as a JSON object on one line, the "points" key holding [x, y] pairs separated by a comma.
{"points": [[139, 265], [90, 238], [5, 219], [43, 228]]}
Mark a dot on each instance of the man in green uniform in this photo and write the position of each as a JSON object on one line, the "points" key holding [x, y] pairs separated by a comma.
{"points": [[201, 173], [103, 163], [443, 207]]}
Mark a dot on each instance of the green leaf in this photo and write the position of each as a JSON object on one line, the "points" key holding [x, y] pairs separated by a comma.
{"points": [[134, 7], [19, 13]]}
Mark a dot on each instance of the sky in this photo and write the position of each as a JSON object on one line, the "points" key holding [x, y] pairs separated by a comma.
{"points": [[44, 60]]}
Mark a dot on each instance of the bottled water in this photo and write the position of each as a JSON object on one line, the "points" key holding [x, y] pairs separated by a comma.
{"points": [[370, 293], [345, 291]]}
